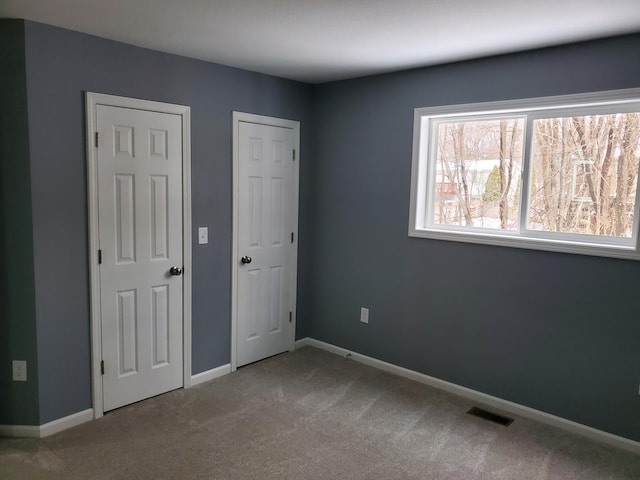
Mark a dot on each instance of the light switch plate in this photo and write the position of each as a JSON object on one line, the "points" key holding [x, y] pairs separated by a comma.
{"points": [[203, 235]]}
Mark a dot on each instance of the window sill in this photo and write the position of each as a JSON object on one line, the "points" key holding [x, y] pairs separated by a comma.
{"points": [[528, 242]]}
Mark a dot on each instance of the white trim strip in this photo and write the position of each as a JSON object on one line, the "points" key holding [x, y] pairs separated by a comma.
{"points": [[489, 400], [66, 422], [187, 343], [39, 431], [209, 375]]}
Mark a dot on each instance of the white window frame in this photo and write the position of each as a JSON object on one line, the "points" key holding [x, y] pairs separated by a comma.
{"points": [[423, 171]]}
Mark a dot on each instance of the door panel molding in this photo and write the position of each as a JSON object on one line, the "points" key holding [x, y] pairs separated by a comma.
{"points": [[237, 118], [92, 101]]}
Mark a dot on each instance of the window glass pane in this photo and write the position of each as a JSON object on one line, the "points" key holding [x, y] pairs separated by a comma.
{"points": [[584, 174], [477, 173]]}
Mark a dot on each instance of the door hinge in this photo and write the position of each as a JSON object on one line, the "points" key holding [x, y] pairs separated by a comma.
{"points": [[102, 367], [290, 317], [294, 154], [292, 236], [99, 257], [96, 139]]}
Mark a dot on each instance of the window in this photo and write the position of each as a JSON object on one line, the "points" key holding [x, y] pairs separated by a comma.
{"points": [[554, 173]]}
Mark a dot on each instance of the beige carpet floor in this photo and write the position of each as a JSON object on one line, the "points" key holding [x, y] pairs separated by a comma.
{"points": [[310, 415]]}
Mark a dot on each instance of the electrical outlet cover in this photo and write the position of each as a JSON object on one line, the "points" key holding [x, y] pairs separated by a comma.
{"points": [[19, 370]]}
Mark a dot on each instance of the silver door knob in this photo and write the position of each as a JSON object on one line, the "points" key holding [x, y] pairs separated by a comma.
{"points": [[175, 271], [246, 259]]}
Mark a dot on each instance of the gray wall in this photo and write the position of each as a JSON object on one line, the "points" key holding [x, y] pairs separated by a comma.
{"points": [[61, 66], [552, 331], [18, 400]]}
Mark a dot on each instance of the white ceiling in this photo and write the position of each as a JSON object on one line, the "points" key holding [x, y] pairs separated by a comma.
{"points": [[324, 40]]}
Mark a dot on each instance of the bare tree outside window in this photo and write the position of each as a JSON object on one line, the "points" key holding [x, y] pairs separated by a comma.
{"points": [[478, 173], [585, 172]]}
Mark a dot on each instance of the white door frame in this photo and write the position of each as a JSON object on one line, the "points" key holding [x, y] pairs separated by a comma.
{"points": [[274, 122], [92, 101]]}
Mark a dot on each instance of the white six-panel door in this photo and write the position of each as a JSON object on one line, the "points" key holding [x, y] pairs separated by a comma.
{"points": [[266, 224], [139, 170]]}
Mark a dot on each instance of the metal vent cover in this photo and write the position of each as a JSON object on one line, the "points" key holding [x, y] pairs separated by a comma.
{"points": [[490, 416]]}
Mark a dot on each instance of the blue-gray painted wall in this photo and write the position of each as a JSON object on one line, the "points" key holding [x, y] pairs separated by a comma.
{"points": [[556, 332], [18, 400], [60, 67]]}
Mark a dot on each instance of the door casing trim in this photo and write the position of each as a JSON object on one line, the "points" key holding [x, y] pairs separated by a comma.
{"points": [[92, 101], [273, 122]]}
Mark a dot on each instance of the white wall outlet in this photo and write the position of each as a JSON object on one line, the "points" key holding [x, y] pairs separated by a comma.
{"points": [[364, 315], [203, 235], [19, 370]]}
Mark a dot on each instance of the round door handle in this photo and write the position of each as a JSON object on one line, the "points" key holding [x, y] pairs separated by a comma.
{"points": [[246, 259], [175, 271]]}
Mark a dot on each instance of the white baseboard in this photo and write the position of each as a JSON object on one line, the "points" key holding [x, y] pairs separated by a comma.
{"points": [[489, 400], [210, 374], [66, 422], [39, 431]]}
